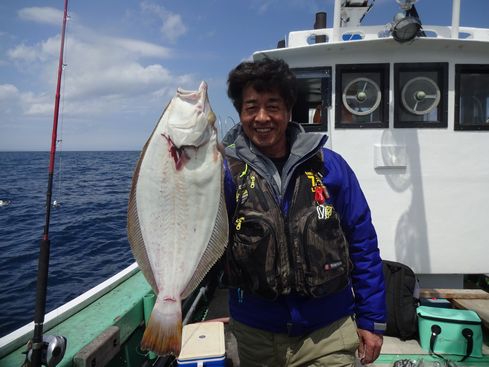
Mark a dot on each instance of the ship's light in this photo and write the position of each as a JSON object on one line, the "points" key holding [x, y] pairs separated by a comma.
{"points": [[406, 29]]}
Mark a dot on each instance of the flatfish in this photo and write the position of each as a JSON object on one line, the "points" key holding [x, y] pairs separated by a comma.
{"points": [[177, 221]]}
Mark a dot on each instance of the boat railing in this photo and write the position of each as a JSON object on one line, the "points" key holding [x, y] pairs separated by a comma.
{"points": [[17, 338], [367, 33]]}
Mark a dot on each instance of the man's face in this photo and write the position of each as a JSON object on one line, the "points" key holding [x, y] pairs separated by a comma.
{"points": [[264, 118]]}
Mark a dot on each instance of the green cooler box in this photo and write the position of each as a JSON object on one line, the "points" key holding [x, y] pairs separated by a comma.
{"points": [[450, 331]]}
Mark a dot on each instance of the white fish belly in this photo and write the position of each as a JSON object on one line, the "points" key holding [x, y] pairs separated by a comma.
{"points": [[177, 210]]}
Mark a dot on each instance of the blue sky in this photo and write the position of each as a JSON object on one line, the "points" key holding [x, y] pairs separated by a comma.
{"points": [[125, 58]]}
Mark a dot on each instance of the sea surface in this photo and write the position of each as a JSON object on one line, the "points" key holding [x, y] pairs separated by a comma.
{"points": [[87, 230]]}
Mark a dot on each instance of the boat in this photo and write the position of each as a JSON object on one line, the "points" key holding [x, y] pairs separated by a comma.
{"points": [[407, 105]]}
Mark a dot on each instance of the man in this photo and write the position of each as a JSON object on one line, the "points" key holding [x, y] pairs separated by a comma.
{"points": [[303, 260]]}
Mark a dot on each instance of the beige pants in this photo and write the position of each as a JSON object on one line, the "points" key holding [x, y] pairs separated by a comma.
{"points": [[332, 346]]}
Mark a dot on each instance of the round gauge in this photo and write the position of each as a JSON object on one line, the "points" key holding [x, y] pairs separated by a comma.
{"points": [[361, 96], [420, 95]]}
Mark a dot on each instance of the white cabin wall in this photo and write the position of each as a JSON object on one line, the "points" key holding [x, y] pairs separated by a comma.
{"points": [[429, 214]]}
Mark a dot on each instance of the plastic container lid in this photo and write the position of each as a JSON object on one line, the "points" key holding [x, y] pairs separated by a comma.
{"points": [[202, 340]]}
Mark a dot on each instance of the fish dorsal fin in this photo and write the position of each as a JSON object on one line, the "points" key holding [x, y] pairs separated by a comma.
{"points": [[134, 234]]}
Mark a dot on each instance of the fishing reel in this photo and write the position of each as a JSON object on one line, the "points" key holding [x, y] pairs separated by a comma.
{"points": [[52, 350]]}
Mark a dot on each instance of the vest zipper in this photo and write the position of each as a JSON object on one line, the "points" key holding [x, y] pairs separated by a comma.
{"points": [[240, 295], [304, 240], [290, 246], [291, 275], [261, 198], [278, 256]]}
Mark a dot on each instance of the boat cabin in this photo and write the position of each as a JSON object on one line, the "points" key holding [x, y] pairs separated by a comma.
{"points": [[411, 116]]}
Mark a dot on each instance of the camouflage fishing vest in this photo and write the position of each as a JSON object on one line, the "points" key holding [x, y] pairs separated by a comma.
{"points": [[269, 254]]}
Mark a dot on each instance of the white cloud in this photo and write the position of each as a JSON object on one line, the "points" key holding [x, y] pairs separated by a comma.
{"points": [[102, 74], [15, 103], [262, 6], [40, 52], [141, 48], [109, 82], [109, 66], [116, 80], [8, 91], [9, 100], [44, 15], [23, 52], [172, 26], [37, 104]]}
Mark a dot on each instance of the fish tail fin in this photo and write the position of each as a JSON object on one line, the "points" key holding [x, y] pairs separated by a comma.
{"points": [[163, 334]]}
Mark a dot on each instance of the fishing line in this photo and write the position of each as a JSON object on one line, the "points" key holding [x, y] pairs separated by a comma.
{"points": [[229, 123], [59, 141], [220, 129], [224, 126]]}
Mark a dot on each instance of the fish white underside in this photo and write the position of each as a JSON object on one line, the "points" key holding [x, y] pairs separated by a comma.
{"points": [[177, 210]]}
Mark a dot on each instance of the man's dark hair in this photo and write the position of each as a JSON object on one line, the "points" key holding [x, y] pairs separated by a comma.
{"points": [[264, 75]]}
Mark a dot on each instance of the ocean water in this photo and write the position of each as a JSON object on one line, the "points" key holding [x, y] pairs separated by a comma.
{"points": [[87, 231]]}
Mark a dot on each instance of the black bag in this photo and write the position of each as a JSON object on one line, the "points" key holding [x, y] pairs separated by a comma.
{"points": [[402, 296]]}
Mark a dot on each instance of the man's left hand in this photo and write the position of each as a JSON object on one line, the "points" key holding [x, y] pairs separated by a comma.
{"points": [[370, 345]]}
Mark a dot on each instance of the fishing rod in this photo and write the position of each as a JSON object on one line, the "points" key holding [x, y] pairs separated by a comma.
{"points": [[54, 346]]}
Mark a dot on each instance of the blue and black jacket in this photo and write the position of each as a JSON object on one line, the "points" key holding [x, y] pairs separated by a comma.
{"points": [[294, 314]]}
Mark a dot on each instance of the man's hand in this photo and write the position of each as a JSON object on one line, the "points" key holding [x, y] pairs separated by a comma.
{"points": [[370, 345]]}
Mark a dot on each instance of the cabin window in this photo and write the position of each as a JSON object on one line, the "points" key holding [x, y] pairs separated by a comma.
{"points": [[420, 95], [362, 96], [313, 99], [471, 97]]}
